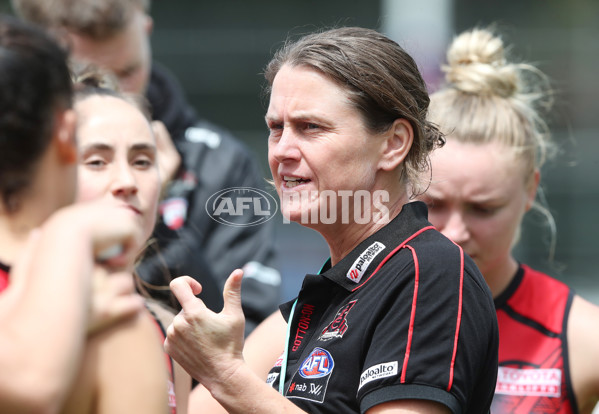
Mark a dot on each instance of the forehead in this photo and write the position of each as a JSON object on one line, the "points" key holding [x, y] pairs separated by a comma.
{"points": [[116, 52], [109, 117], [301, 88], [475, 168]]}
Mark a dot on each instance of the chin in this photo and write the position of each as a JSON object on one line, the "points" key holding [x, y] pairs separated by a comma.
{"points": [[291, 215]]}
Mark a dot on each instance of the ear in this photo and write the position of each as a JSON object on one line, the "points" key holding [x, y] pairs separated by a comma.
{"points": [[532, 189], [397, 144], [64, 136]]}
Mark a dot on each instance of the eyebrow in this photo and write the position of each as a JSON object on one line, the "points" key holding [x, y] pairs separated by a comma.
{"points": [[96, 146], [300, 116], [271, 118], [144, 147], [100, 146], [128, 69]]}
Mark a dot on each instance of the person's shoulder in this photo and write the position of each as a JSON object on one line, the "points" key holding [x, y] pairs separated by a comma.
{"points": [[215, 137], [221, 151], [583, 351], [585, 313], [162, 313], [437, 250], [439, 255], [542, 282], [541, 298]]}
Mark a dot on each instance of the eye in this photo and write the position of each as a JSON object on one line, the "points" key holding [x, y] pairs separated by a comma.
{"points": [[128, 72], [273, 126], [483, 210], [95, 162], [275, 129], [433, 203], [143, 163]]}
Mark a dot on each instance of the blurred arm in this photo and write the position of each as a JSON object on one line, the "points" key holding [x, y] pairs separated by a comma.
{"points": [[44, 312]]}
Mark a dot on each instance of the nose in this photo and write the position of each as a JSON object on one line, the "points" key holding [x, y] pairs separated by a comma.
{"points": [[123, 182], [285, 148], [456, 228]]}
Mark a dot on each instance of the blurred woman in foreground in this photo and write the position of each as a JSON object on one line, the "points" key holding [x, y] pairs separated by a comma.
{"points": [[67, 296]]}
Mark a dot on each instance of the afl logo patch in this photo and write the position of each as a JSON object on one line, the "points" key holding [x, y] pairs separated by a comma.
{"points": [[311, 380], [318, 364]]}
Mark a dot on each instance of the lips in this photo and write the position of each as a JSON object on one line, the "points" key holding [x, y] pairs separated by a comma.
{"points": [[132, 208], [291, 181]]}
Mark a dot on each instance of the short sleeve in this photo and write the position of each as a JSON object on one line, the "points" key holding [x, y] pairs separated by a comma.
{"points": [[432, 329]]}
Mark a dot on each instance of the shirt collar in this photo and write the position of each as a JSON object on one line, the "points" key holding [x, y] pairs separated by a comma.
{"points": [[357, 266]]}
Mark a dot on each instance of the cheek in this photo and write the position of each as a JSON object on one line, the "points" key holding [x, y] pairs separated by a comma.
{"points": [[274, 166], [494, 235], [89, 188], [151, 192], [437, 219], [149, 226], [139, 82]]}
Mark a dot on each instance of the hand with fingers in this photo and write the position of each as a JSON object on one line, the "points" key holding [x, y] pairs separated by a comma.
{"points": [[208, 345], [113, 299], [102, 241]]}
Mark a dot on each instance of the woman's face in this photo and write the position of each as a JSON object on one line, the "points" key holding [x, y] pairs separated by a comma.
{"points": [[477, 198], [118, 158], [317, 142]]}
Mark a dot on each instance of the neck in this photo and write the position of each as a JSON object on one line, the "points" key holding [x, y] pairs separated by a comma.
{"points": [[15, 228], [342, 239], [36, 204], [499, 277]]}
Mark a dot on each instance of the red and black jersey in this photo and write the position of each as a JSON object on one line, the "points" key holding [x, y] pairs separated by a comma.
{"points": [[405, 315], [3, 277], [534, 374]]}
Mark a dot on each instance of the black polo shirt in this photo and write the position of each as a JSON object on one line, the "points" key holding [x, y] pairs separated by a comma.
{"points": [[405, 315]]}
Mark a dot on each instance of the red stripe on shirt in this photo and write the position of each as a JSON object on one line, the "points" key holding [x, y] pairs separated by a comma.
{"points": [[412, 315], [459, 319], [386, 259]]}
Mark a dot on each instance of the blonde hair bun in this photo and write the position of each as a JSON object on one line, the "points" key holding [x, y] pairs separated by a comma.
{"points": [[477, 65]]}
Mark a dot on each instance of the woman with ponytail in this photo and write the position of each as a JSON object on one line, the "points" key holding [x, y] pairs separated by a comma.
{"points": [[484, 180]]}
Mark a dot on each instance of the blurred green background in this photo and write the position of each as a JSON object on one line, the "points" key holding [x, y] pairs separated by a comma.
{"points": [[218, 50]]}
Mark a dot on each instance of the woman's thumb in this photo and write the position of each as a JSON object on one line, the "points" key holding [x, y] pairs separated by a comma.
{"points": [[232, 292]]}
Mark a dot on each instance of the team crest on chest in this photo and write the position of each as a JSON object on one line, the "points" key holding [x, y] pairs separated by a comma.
{"points": [[338, 326]]}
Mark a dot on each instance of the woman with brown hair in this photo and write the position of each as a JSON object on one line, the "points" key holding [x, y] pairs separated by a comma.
{"points": [[398, 319]]}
